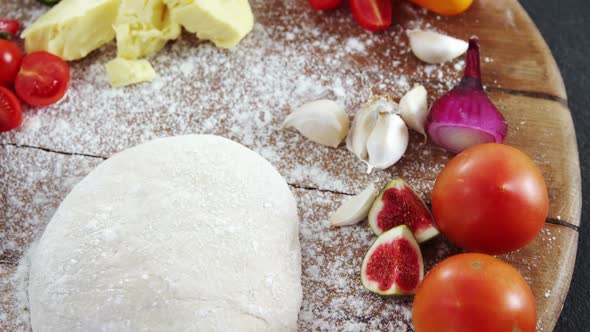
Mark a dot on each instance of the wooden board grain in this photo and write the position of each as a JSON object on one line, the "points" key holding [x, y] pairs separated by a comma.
{"points": [[60, 144]]}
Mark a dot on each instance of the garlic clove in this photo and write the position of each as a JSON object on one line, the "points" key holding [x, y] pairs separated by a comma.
{"points": [[433, 47], [414, 108], [322, 121], [355, 209], [364, 122], [388, 141]]}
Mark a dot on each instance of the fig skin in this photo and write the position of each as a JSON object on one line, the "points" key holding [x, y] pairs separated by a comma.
{"points": [[398, 233], [415, 220]]}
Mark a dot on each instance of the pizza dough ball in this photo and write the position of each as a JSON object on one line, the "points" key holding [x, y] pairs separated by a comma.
{"points": [[188, 233]]}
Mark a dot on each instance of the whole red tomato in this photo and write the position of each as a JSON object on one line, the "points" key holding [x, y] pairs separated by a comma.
{"points": [[474, 292], [10, 59], [490, 198]]}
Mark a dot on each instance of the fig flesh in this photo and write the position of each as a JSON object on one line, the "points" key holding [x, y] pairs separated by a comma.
{"points": [[398, 204], [393, 265]]}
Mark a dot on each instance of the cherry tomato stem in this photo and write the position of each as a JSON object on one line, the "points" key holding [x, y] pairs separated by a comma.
{"points": [[9, 27]]}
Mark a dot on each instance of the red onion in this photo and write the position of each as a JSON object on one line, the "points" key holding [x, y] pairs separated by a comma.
{"points": [[465, 116]]}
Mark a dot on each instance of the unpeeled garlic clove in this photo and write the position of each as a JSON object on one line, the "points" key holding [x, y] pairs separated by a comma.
{"points": [[414, 108], [364, 122], [355, 209], [433, 47], [322, 121], [388, 141]]}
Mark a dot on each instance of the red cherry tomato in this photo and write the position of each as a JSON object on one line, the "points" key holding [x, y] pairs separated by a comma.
{"points": [[490, 198], [9, 26], [11, 113], [372, 15], [474, 292], [10, 60], [43, 79], [325, 4]]}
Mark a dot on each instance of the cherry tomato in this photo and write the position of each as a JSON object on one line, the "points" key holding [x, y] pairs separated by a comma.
{"points": [[9, 26], [325, 4], [43, 79], [372, 15], [474, 292], [490, 198], [10, 60], [11, 113]]}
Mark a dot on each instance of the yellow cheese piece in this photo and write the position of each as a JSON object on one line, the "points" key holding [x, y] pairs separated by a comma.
{"points": [[143, 27], [224, 22], [73, 28], [123, 72]]}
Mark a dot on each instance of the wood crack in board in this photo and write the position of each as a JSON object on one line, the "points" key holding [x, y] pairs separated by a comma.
{"points": [[563, 223], [3, 258], [311, 188], [66, 153], [511, 92], [9, 257], [530, 94]]}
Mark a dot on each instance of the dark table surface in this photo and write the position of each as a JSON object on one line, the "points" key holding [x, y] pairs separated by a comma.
{"points": [[565, 25]]}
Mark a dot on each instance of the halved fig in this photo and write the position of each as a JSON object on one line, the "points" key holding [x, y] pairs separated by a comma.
{"points": [[393, 265], [398, 204]]}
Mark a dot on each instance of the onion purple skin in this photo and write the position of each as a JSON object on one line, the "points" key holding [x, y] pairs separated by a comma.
{"points": [[465, 116], [468, 107]]}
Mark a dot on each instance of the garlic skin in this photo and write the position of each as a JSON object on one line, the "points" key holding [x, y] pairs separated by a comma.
{"points": [[433, 47], [388, 141], [354, 209], [364, 122], [322, 121], [414, 108]]}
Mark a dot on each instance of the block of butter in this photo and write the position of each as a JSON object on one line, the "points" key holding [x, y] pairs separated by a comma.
{"points": [[143, 27], [73, 28], [121, 72], [224, 22]]}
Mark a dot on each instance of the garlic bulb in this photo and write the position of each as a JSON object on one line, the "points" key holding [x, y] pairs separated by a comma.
{"points": [[414, 108], [388, 141], [355, 209], [363, 124], [433, 47], [378, 136], [322, 121]]}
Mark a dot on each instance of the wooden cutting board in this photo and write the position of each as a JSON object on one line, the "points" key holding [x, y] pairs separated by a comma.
{"points": [[296, 55]]}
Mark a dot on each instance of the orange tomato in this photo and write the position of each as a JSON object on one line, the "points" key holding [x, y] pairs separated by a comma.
{"points": [[445, 7]]}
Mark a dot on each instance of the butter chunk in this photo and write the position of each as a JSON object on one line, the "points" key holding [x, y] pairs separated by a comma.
{"points": [[143, 27], [122, 72], [224, 22], [73, 28]]}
